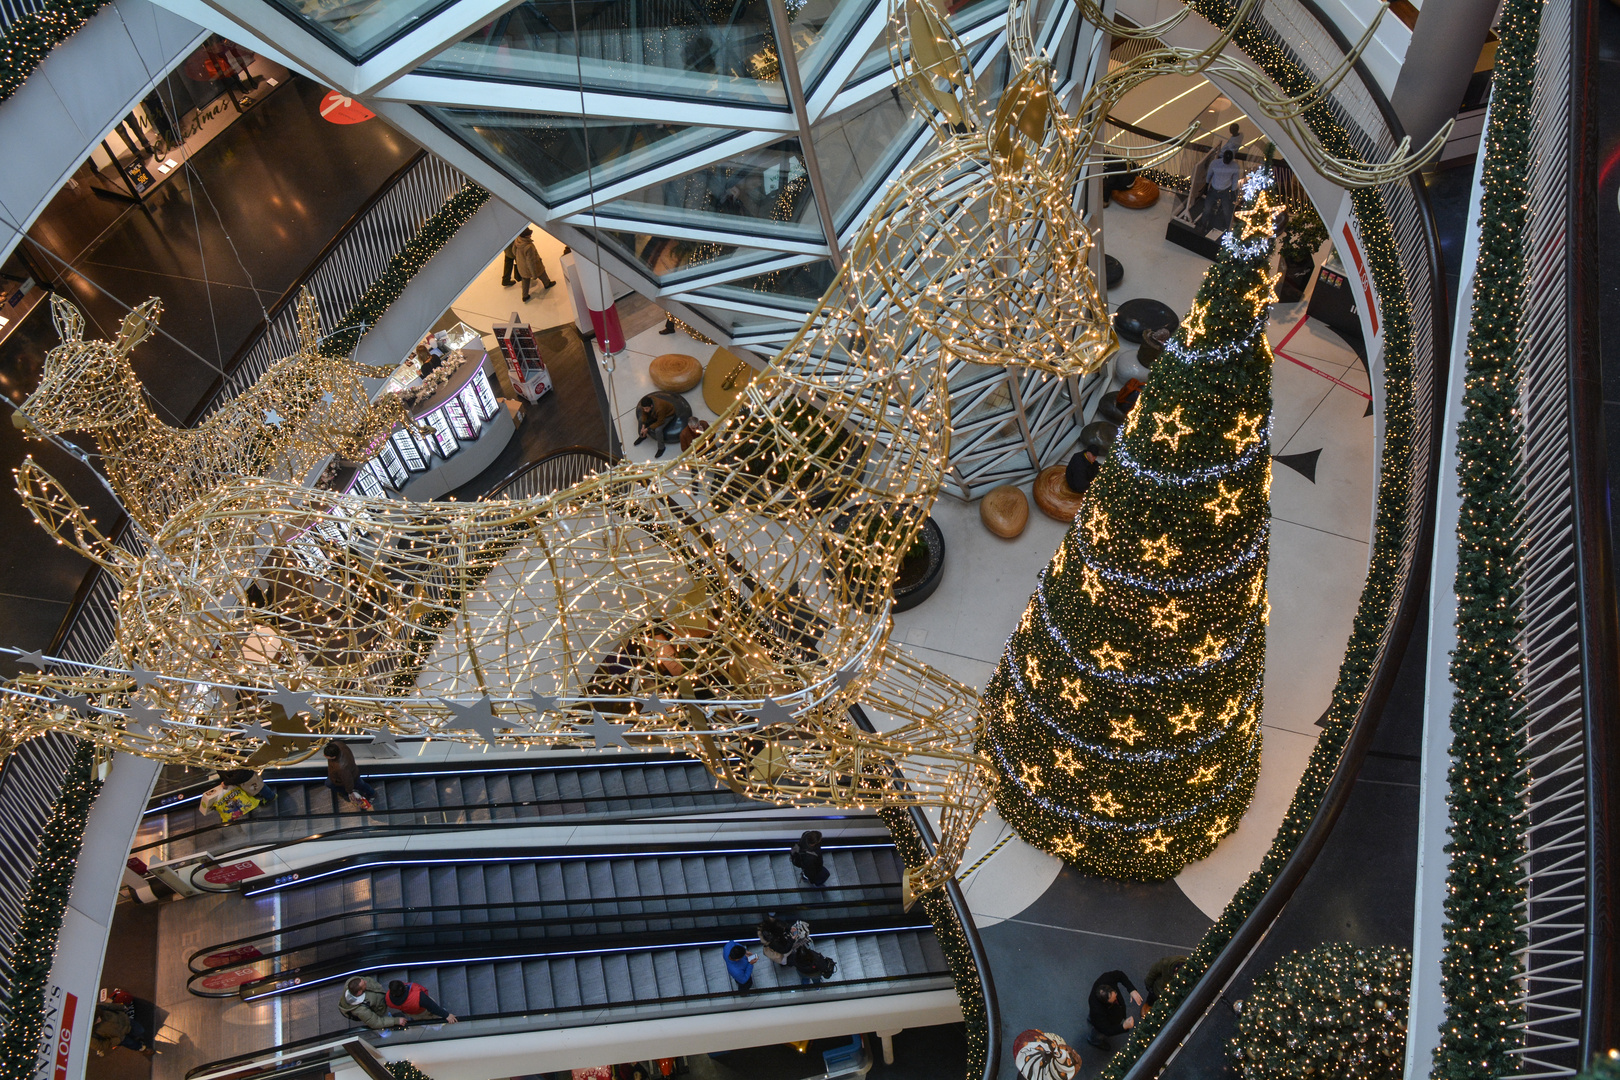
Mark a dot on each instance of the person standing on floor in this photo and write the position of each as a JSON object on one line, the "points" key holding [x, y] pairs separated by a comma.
{"points": [[413, 1000], [115, 1027], [366, 1002], [1222, 180], [529, 265], [509, 266], [806, 855], [343, 776], [1234, 140], [740, 966], [1107, 1013], [775, 939]]}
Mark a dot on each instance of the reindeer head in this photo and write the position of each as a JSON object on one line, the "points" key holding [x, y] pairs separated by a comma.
{"points": [[87, 385]]}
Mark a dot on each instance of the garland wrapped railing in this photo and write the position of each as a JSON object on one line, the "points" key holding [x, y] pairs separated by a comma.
{"points": [[27, 40]]}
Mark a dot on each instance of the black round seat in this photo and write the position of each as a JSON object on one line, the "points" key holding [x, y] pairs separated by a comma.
{"points": [[1098, 436], [1116, 271], [1136, 317]]}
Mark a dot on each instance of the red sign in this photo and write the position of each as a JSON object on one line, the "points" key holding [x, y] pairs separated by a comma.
{"points": [[230, 956], [227, 979], [340, 108], [1366, 285], [230, 872], [64, 1037]]}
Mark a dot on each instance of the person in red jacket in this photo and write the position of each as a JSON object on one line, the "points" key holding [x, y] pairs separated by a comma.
{"points": [[413, 1001]]}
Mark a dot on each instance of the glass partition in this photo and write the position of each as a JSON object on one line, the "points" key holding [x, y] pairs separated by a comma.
{"points": [[804, 284], [359, 28], [548, 153], [858, 149], [673, 262], [720, 52], [820, 29], [764, 191]]}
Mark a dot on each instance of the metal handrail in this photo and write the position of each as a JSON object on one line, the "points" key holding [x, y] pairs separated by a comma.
{"points": [[567, 466], [238, 1065]]}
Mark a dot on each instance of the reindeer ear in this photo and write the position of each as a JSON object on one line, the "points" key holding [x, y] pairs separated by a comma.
{"points": [[139, 324], [69, 322], [59, 514]]}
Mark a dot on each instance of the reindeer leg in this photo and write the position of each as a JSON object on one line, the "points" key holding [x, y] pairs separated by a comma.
{"points": [[939, 719]]}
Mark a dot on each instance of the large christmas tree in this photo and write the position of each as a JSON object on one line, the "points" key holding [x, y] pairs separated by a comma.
{"points": [[1124, 716]]}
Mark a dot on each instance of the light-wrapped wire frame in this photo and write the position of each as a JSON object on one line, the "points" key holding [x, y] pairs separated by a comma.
{"points": [[303, 409]]}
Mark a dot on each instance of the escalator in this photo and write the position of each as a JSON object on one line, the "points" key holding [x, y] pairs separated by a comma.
{"points": [[522, 941], [298, 807]]}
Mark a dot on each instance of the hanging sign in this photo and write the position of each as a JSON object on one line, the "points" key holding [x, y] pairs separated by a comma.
{"points": [[340, 108]]}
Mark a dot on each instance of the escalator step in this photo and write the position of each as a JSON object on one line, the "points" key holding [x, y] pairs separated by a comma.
{"points": [[666, 968], [443, 885], [395, 794], [537, 985], [447, 789], [386, 889], [475, 797], [522, 788], [739, 873], [510, 993], [294, 798], [911, 952], [657, 782], [569, 790], [613, 784], [693, 977], [470, 888], [871, 955], [643, 975], [424, 793], [933, 955], [565, 981], [455, 987], [416, 886], [617, 983], [482, 995], [498, 790], [893, 961], [546, 790]]}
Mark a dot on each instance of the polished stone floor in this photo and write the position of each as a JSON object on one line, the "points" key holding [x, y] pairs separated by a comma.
{"points": [[220, 243]]}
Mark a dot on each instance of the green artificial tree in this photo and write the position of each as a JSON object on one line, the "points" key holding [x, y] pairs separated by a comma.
{"points": [[1337, 1012], [1123, 718]]}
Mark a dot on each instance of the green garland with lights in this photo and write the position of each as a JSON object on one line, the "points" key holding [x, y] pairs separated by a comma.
{"points": [[404, 1070], [1484, 890], [433, 235], [1123, 719], [31, 38], [1604, 1066], [1337, 1011], [952, 938], [1379, 595], [49, 886]]}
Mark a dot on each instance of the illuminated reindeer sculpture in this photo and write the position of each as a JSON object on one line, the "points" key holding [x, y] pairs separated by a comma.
{"points": [[303, 408], [733, 603]]}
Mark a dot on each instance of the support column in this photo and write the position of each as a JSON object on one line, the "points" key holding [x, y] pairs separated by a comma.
{"points": [[782, 29], [593, 289], [887, 1039], [1446, 41]]}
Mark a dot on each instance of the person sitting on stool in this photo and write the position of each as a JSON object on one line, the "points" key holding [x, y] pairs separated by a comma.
{"points": [[1082, 470], [1107, 1014], [660, 416]]}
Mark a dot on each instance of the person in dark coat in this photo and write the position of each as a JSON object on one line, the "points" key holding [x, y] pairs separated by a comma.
{"points": [[1108, 1014], [1082, 470], [508, 267], [806, 855], [661, 415], [776, 940], [414, 1002], [343, 775], [115, 1027], [1158, 977]]}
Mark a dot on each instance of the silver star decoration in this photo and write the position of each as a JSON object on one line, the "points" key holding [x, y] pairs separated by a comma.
{"points": [[273, 418], [478, 715], [76, 702], [384, 737], [36, 658], [143, 678], [846, 675], [773, 712], [327, 398], [542, 703], [654, 705], [257, 730], [607, 733], [143, 718], [292, 702]]}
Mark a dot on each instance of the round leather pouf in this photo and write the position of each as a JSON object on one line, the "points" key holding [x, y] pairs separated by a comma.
{"points": [[676, 372], [1004, 511], [1139, 196], [1116, 271], [1099, 435], [1130, 367], [1135, 317], [1053, 496]]}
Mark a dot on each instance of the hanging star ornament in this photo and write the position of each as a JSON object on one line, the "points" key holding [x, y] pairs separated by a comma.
{"points": [[292, 702], [273, 418], [477, 715], [607, 733], [1160, 551], [1225, 504], [1210, 649], [1168, 616], [1170, 428], [542, 703], [1246, 432], [773, 712], [384, 736], [1106, 804], [142, 719], [143, 678], [34, 657], [1126, 731]]}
